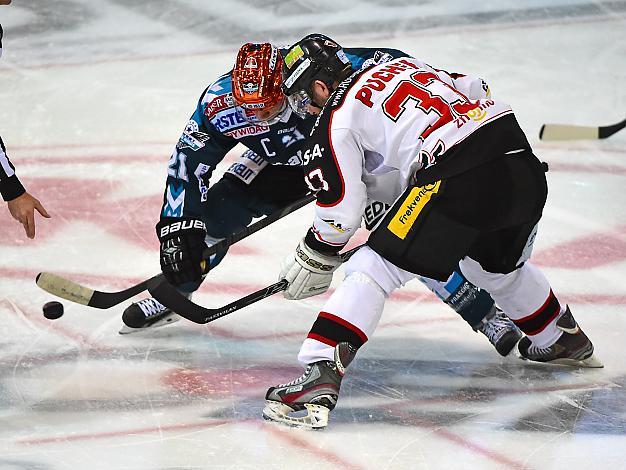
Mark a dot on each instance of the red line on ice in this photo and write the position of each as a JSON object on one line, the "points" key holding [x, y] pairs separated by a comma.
{"points": [[289, 436], [120, 433]]}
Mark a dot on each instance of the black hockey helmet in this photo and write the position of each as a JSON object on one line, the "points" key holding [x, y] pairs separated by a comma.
{"points": [[314, 57]]}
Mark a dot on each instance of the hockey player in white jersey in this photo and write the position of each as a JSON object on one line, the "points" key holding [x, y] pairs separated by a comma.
{"points": [[463, 186], [264, 179]]}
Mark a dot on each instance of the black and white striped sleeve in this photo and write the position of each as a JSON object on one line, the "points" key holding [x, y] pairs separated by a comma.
{"points": [[10, 186]]}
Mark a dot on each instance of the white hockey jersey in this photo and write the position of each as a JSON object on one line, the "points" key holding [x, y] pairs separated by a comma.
{"points": [[379, 127]]}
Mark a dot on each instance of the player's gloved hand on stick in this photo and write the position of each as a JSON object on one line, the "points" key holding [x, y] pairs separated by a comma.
{"points": [[182, 243], [308, 272]]}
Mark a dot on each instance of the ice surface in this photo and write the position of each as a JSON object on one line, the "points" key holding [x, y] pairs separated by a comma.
{"points": [[93, 97]]}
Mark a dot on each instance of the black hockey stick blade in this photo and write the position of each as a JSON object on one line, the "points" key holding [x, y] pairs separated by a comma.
{"points": [[607, 131], [572, 132], [169, 296], [74, 292]]}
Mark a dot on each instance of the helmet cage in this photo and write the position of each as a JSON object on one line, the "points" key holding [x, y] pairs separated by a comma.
{"points": [[299, 102]]}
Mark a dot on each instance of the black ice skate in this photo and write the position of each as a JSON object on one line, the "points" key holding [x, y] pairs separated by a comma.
{"points": [[573, 348], [500, 331], [147, 313], [315, 392]]}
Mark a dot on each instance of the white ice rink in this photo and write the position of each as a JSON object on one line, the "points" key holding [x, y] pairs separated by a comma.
{"points": [[93, 97]]}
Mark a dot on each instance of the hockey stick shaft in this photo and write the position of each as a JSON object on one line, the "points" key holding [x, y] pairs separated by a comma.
{"points": [[169, 296], [74, 292], [255, 227], [572, 132]]}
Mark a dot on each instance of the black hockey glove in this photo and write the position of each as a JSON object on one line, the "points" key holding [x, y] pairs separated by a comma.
{"points": [[182, 243]]}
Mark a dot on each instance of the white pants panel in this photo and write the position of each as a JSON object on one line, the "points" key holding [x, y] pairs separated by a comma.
{"points": [[519, 293], [359, 299]]}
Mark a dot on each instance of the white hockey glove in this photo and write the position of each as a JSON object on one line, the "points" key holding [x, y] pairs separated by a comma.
{"points": [[308, 272]]}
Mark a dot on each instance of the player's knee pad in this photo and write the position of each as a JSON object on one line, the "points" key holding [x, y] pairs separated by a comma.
{"points": [[380, 271], [365, 279], [491, 282]]}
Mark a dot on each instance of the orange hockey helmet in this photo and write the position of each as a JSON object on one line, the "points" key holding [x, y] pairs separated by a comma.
{"points": [[257, 80]]}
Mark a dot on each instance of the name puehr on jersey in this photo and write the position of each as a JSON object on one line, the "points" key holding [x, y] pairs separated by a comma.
{"points": [[379, 79]]}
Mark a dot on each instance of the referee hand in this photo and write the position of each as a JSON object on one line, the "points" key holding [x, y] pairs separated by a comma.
{"points": [[23, 208]]}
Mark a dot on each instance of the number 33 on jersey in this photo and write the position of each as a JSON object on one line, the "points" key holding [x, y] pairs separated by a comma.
{"points": [[440, 108]]}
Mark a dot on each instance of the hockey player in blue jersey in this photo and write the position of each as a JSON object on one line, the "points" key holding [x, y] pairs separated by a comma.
{"points": [[246, 105]]}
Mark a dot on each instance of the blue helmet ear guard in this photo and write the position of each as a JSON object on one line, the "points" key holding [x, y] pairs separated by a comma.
{"points": [[314, 57]]}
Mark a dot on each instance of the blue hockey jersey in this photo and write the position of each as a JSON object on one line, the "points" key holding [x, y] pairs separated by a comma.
{"points": [[218, 124]]}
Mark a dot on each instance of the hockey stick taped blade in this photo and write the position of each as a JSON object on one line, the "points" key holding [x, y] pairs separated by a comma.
{"points": [[64, 288], [566, 132]]}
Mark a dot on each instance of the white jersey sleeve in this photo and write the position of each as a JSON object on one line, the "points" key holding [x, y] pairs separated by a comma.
{"points": [[343, 194]]}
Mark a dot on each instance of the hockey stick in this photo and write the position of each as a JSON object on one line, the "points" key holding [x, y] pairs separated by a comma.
{"points": [[567, 132], [169, 296], [74, 292]]}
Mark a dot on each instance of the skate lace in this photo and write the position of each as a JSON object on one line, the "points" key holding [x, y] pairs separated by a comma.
{"points": [[496, 327], [150, 307], [537, 351], [300, 379]]}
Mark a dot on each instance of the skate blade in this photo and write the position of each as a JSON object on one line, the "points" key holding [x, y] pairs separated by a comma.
{"points": [[172, 318], [591, 362], [316, 417]]}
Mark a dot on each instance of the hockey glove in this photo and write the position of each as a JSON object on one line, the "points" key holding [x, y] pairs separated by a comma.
{"points": [[182, 243], [308, 272]]}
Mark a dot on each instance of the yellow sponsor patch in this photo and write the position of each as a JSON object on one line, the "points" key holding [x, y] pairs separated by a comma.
{"points": [[477, 114], [293, 55], [406, 216]]}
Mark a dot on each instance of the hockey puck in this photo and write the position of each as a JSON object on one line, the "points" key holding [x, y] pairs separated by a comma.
{"points": [[53, 310]]}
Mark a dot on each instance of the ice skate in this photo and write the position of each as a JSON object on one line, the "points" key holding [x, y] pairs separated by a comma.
{"points": [[500, 331], [573, 348], [146, 314], [315, 393]]}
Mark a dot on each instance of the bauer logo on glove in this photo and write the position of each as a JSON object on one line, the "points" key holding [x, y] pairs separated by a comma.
{"points": [[186, 224], [182, 244]]}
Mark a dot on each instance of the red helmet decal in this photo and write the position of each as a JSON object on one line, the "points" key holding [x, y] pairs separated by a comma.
{"points": [[257, 76]]}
